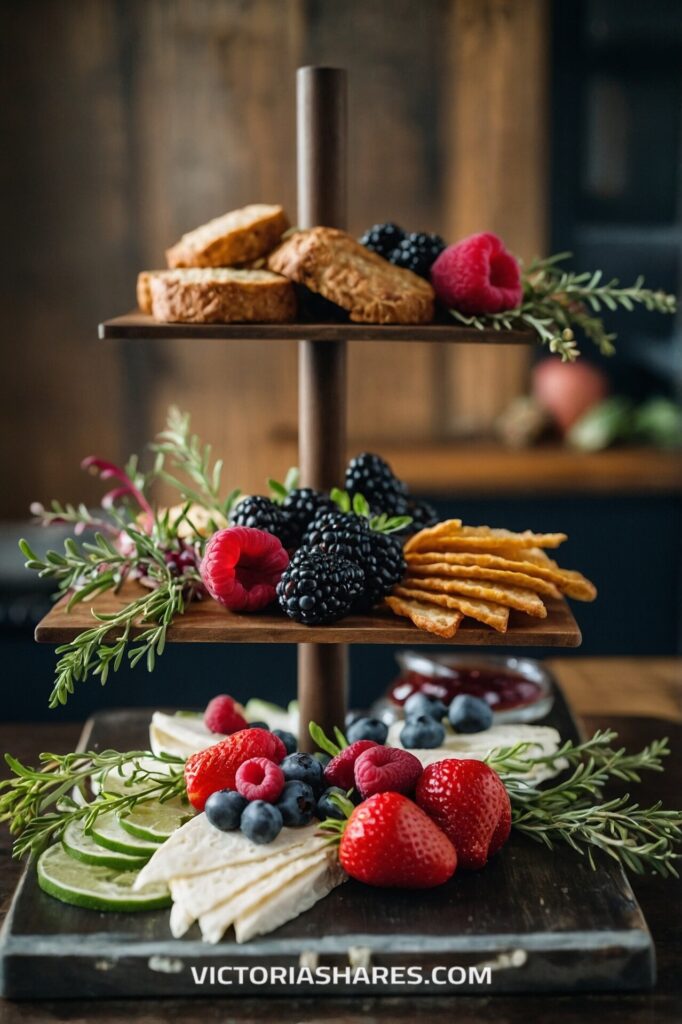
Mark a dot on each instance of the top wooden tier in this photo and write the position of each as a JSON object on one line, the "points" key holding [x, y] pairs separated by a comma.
{"points": [[141, 327]]}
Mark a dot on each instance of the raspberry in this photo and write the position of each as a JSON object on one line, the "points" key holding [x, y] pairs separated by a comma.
{"points": [[242, 567], [260, 779], [477, 276], [216, 767], [386, 769], [340, 770], [224, 715]]}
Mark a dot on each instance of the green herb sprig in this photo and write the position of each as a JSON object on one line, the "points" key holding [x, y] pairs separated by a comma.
{"points": [[38, 803], [557, 302]]}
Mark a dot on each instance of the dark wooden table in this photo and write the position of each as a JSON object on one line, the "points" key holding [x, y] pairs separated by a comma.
{"points": [[660, 900]]}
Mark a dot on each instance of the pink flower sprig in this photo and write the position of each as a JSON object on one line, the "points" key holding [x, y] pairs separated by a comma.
{"points": [[109, 471]]}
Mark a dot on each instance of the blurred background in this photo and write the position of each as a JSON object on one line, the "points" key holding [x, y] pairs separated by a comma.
{"points": [[127, 122]]}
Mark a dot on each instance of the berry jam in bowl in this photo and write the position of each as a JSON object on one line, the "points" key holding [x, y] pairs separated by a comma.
{"points": [[517, 689]]}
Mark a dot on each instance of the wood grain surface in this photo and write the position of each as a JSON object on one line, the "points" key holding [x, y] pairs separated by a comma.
{"points": [[656, 897], [207, 622]]}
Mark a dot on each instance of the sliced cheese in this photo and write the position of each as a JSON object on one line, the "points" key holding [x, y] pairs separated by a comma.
{"points": [[198, 894], [197, 847], [180, 735], [280, 885], [478, 745], [180, 920]]}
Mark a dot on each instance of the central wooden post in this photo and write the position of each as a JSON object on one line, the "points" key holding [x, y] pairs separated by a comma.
{"points": [[321, 157]]}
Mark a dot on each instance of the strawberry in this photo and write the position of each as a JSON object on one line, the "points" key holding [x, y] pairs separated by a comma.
{"points": [[216, 767], [467, 799], [341, 769], [389, 841], [223, 715]]}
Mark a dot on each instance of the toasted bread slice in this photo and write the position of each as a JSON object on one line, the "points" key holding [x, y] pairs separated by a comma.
{"points": [[236, 237], [222, 295], [336, 266]]}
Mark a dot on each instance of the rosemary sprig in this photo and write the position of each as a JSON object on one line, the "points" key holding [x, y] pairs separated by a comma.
{"points": [[187, 455], [38, 802], [641, 838], [556, 302]]}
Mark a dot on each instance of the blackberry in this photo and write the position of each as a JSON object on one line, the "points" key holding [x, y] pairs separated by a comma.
{"points": [[416, 252], [262, 514], [371, 476], [423, 515], [318, 588], [383, 238], [389, 567], [301, 506]]}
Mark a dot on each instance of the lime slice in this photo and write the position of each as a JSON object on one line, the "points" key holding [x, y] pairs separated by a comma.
{"points": [[107, 832], [97, 888], [117, 782], [153, 821], [86, 849]]}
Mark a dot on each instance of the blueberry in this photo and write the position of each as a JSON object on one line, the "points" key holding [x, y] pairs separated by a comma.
{"points": [[326, 808], [303, 768], [287, 738], [224, 809], [469, 714], [422, 731], [296, 804], [261, 822], [367, 729], [353, 716], [420, 704], [257, 725], [323, 758]]}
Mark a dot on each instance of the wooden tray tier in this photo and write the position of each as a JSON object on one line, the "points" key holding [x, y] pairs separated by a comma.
{"points": [[141, 327], [206, 622]]}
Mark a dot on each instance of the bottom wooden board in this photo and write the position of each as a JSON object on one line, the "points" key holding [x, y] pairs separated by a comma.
{"points": [[532, 921]]}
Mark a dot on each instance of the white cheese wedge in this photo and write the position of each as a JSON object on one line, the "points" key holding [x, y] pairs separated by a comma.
{"points": [[199, 894], [269, 902], [181, 920], [478, 745], [180, 735], [197, 847]]}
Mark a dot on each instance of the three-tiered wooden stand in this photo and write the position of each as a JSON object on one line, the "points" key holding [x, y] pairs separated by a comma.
{"points": [[322, 651], [539, 922]]}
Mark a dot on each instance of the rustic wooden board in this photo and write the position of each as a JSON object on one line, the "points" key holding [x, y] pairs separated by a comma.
{"points": [[206, 622], [140, 326], [544, 922]]}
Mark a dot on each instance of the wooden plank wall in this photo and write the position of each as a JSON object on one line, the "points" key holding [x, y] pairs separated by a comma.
{"points": [[131, 122]]}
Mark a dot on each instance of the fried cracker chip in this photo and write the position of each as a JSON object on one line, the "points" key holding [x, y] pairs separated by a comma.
{"points": [[446, 570], [428, 617], [530, 561], [495, 615], [447, 528], [474, 538], [500, 593]]}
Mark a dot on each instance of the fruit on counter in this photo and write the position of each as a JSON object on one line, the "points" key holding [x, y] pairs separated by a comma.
{"points": [[327, 808], [568, 390], [341, 769], [477, 276], [301, 506], [224, 809], [470, 714], [419, 704], [383, 769], [242, 566], [261, 822], [383, 238], [260, 779], [288, 739], [297, 803], [224, 715], [422, 732], [303, 768], [367, 729], [413, 251], [319, 588], [389, 841], [260, 513], [469, 802], [95, 887], [372, 477], [216, 767]]}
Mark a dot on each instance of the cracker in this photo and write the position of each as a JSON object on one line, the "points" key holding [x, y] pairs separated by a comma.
{"points": [[483, 538], [433, 534], [500, 593], [530, 562], [426, 616], [445, 570], [495, 615]]}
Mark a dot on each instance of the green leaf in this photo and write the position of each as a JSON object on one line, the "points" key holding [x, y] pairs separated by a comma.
{"points": [[321, 740], [341, 499], [291, 480], [278, 491], [340, 738], [361, 506]]}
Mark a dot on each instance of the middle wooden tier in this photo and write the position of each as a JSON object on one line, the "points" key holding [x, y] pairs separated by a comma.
{"points": [[206, 622]]}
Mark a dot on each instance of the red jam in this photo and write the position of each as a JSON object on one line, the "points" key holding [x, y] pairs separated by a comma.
{"points": [[502, 688]]}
